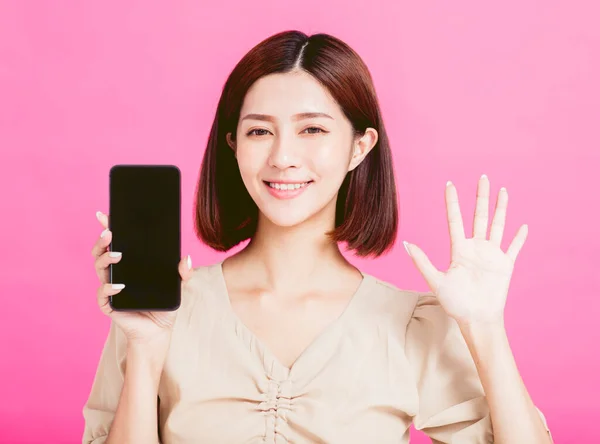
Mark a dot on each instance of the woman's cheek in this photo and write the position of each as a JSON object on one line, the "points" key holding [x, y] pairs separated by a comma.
{"points": [[249, 162], [330, 159]]}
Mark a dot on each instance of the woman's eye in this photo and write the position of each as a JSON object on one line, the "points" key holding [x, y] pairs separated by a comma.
{"points": [[254, 132], [317, 130], [264, 132]]}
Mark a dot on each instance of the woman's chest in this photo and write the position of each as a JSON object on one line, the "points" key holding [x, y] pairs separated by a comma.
{"points": [[287, 328], [223, 385]]}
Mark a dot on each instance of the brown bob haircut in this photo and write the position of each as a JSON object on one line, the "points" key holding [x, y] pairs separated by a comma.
{"points": [[366, 208]]}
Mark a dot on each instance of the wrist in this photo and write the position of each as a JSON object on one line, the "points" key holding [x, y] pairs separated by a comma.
{"points": [[484, 335], [152, 351], [159, 341], [484, 326], [143, 364]]}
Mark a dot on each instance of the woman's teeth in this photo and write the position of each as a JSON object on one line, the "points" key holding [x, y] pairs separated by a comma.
{"points": [[287, 186]]}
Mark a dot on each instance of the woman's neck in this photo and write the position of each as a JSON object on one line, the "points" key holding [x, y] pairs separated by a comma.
{"points": [[293, 257]]}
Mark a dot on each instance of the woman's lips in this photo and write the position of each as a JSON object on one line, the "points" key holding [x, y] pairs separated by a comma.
{"points": [[286, 190]]}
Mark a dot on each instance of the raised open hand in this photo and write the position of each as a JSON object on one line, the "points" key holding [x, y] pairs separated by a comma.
{"points": [[475, 286]]}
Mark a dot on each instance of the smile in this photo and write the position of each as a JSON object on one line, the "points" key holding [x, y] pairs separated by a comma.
{"points": [[287, 186], [286, 190]]}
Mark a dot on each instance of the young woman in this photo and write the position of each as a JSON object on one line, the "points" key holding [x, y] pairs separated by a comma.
{"points": [[286, 341]]}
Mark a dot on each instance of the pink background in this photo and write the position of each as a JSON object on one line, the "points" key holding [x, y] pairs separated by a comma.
{"points": [[508, 89]]}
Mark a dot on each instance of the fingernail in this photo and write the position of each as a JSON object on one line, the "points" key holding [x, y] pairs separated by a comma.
{"points": [[503, 189], [104, 232], [115, 254], [189, 262], [448, 183], [118, 286], [406, 247], [483, 176], [98, 214]]}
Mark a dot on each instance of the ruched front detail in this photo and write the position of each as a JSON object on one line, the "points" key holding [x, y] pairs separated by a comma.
{"points": [[278, 402]]}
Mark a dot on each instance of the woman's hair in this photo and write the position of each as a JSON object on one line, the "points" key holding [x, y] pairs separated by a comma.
{"points": [[366, 208]]}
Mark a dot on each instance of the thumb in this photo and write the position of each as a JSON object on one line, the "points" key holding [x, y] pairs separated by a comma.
{"points": [[431, 274], [185, 268]]}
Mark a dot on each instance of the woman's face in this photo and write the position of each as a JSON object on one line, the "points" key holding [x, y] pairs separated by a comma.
{"points": [[294, 146]]}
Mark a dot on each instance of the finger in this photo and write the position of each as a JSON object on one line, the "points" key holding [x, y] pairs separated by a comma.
{"points": [[103, 262], [482, 207], [185, 268], [497, 229], [102, 243], [103, 296], [515, 246], [455, 222], [431, 274], [103, 218]]}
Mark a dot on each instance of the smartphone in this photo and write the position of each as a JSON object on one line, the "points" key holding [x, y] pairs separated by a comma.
{"points": [[145, 221]]}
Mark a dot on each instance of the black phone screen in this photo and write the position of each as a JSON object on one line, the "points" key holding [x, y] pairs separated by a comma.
{"points": [[145, 221]]}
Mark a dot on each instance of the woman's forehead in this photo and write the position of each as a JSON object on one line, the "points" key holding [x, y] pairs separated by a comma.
{"points": [[285, 95]]}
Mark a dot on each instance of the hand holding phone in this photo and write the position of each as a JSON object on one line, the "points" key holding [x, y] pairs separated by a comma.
{"points": [[145, 326]]}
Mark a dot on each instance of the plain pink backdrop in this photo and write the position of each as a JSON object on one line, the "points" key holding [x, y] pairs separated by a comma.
{"points": [[508, 89]]}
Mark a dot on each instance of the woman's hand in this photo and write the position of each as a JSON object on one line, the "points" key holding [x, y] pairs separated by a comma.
{"points": [[139, 327], [474, 288]]}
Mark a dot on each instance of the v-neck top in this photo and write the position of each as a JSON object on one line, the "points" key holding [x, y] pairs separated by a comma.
{"points": [[391, 359]]}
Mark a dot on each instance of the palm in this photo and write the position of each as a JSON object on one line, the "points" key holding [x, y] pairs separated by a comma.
{"points": [[475, 286], [476, 282], [141, 324], [144, 324]]}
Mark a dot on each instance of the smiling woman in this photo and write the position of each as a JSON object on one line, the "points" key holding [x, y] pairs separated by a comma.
{"points": [[293, 111], [287, 341]]}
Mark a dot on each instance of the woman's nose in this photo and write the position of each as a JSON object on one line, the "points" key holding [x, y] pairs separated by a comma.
{"points": [[282, 154]]}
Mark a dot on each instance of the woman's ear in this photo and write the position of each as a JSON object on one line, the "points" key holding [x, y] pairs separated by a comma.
{"points": [[230, 142], [363, 146]]}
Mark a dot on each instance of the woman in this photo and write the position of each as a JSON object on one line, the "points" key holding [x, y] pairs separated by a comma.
{"points": [[286, 341]]}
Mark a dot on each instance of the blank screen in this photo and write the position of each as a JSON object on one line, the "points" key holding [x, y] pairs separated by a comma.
{"points": [[145, 218]]}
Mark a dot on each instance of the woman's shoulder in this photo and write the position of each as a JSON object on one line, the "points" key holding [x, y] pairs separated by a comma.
{"points": [[428, 326], [419, 303], [206, 272], [204, 285]]}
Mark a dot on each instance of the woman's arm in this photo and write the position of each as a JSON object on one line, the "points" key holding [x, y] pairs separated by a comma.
{"points": [[514, 416], [136, 418], [473, 291]]}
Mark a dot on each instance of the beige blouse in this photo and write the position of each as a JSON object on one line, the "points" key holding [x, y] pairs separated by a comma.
{"points": [[391, 359]]}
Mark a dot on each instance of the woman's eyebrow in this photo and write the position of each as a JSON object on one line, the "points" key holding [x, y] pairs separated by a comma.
{"points": [[300, 116]]}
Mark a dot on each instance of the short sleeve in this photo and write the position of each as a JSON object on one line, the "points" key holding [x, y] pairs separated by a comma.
{"points": [[101, 405], [452, 404]]}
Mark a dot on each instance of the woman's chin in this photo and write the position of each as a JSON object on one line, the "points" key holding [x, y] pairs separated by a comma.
{"points": [[287, 222], [287, 218]]}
